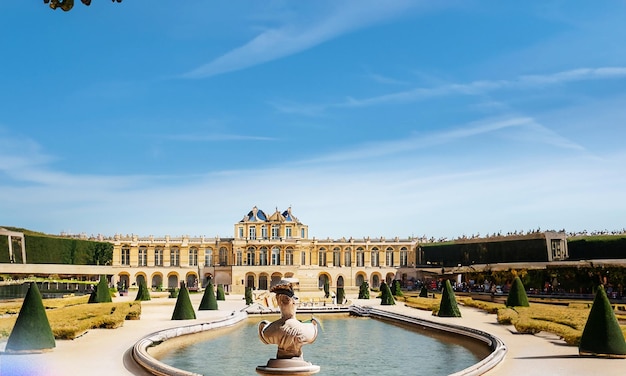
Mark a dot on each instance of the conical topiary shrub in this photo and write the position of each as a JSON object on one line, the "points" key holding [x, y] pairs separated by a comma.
{"points": [[183, 309], [602, 335], [517, 295], [31, 331], [386, 296], [103, 295], [220, 292], [248, 296], [364, 290], [208, 302], [326, 289], [396, 289], [423, 292], [448, 306], [341, 295], [143, 293]]}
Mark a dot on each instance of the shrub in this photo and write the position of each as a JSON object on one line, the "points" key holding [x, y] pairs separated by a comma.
{"points": [[424, 292], [183, 309], [209, 302], [102, 294], [364, 290], [220, 292], [248, 296], [386, 296], [326, 289], [32, 330], [448, 306], [341, 295], [143, 293], [396, 289], [517, 295], [602, 335]]}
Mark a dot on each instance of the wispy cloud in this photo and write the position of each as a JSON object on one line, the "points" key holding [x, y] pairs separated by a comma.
{"points": [[478, 87], [194, 137], [292, 38]]}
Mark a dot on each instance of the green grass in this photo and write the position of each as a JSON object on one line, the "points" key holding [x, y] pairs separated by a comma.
{"points": [[70, 318]]}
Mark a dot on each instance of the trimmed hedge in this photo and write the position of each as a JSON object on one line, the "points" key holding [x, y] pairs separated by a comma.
{"points": [[386, 296], [102, 293], [32, 330], [364, 290], [220, 292], [517, 295], [248, 295], [209, 302], [57, 250], [602, 335], [143, 293], [183, 309], [448, 306]]}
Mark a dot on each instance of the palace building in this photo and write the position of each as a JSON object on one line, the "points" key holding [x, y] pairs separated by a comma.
{"points": [[265, 248]]}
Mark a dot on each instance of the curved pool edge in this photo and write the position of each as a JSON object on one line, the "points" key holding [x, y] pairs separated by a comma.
{"points": [[140, 350], [141, 356], [495, 344]]}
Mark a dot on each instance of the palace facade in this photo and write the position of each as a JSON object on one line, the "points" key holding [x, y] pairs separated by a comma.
{"points": [[265, 248]]}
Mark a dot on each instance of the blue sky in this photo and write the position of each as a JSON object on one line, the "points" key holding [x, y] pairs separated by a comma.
{"points": [[368, 118]]}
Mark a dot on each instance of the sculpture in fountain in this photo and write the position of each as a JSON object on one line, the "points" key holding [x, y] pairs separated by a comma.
{"points": [[289, 334]]}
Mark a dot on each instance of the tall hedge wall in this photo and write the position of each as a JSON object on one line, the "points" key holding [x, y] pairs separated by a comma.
{"points": [[57, 250], [593, 249]]}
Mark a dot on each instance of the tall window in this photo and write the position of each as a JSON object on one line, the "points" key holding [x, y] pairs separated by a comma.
{"points": [[321, 257], [389, 258], [125, 255], [360, 257], [208, 257], [289, 257], [275, 232], [193, 256], [404, 257], [224, 256], [275, 256], [174, 256], [240, 232], [158, 256], [143, 256], [239, 256], [250, 256], [303, 233], [252, 232], [264, 232], [263, 256], [348, 257], [336, 256], [303, 258], [375, 258], [288, 232]]}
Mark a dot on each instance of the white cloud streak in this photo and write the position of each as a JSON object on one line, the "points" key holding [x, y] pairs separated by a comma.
{"points": [[293, 38]]}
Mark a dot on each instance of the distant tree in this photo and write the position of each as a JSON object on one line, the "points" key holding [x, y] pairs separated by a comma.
{"points": [[448, 306], [220, 292], [364, 290], [208, 302], [31, 331], [183, 309]]}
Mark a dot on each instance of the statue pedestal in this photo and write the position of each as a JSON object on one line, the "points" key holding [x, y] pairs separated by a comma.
{"points": [[293, 366]]}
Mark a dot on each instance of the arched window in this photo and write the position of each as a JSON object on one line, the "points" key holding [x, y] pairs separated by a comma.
{"points": [[389, 256], [275, 256], [348, 257], [223, 256], [360, 257], [375, 257], [158, 256], [321, 256], [359, 280], [174, 256], [250, 256], [143, 256], [336, 256], [193, 256], [208, 257], [289, 256], [263, 256]]}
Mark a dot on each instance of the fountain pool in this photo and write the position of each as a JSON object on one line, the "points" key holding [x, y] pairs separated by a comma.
{"points": [[346, 346]]}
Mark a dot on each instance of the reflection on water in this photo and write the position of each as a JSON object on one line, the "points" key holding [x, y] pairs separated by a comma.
{"points": [[345, 346]]}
